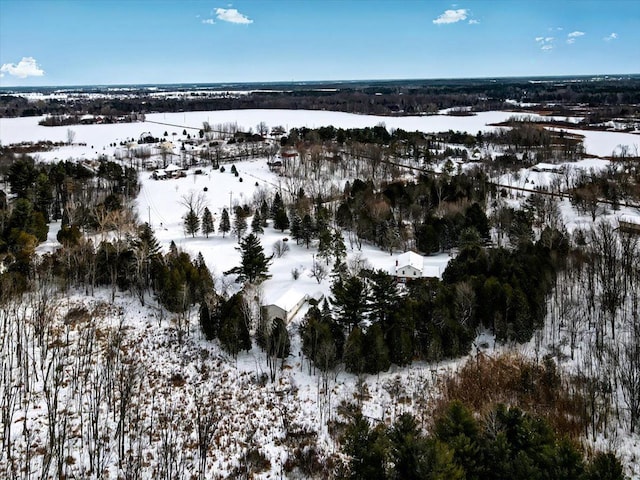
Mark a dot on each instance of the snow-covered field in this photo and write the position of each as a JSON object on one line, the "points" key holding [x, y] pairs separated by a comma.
{"points": [[98, 137], [160, 203]]}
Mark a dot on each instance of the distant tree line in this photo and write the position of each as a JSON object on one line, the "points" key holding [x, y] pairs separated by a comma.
{"points": [[607, 98]]}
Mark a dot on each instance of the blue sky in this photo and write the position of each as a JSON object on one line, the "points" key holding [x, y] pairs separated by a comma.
{"points": [[79, 42]]}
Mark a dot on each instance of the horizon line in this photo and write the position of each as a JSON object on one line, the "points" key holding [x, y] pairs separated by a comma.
{"points": [[326, 81]]}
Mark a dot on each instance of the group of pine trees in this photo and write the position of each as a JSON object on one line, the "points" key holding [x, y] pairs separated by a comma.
{"points": [[505, 444]]}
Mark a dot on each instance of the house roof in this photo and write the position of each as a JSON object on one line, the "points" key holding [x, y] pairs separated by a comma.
{"points": [[551, 167], [411, 259], [289, 299]]}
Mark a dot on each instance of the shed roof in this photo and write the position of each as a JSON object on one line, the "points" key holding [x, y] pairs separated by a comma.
{"points": [[289, 299]]}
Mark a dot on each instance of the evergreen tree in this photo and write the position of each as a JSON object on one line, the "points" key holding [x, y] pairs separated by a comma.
{"points": [[408, 449], [400, 335], [375, 350], [325, 244], [202, 284], [43, 196], [296, 227], [191, 223], [264, 212], [255, 264], [458, 429], [339, 248], [209, 320], [256, 223], [281, 220], [605, 466], [21, 176], [384, 297], [349, 299], [225, 223], [278, 344], [367, 449], [318, 341], [306, 230], [276, 205], [233, 331], [239, 224], [207, 222], [148, 259], [354, 359]]}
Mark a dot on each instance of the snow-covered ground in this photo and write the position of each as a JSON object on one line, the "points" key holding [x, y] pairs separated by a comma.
{"points": [[98, 137], [159, 202]]}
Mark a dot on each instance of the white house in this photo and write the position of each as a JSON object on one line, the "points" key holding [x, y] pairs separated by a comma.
{"points": [[286, 306], [410, 266]]}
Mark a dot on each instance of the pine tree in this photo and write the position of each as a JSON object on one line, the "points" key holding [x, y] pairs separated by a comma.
{"points": [[281, 220], [384, 297], [276, 205], [233, 331], [148, 259], [207, 222], [256, 223], [339, 248], [255, 264], [354, 359], [209, 320], [264, 212], [367, 449], [375, 350], [239, 224], [349, 300], [306, 230], [324, 244], [296, 227], [225, 223], [191, 223]]}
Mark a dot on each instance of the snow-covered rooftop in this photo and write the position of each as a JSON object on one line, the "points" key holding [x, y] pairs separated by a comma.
{"points": [[411, 259], [289, 299]]}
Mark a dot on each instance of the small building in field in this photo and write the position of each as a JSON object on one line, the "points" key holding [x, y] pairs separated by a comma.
{"points": [[159, 175], [548, 167], [411, 266], [286, 306], [174, 171]]}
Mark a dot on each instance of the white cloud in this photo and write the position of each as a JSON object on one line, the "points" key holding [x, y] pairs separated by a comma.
{"points": [[473, 21], [546, 43], [232, 15], [209, 21], [27, 67], [451, 16], [571, 38], [611, 36]]}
